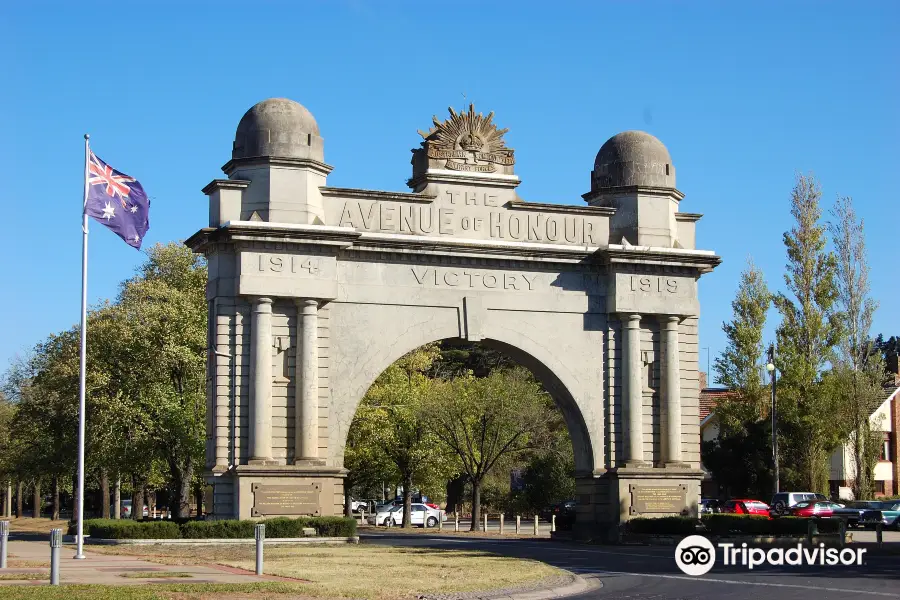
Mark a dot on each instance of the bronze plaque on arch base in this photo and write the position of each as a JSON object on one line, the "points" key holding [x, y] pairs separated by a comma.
{"points": [[650, 499], [285, 500]]}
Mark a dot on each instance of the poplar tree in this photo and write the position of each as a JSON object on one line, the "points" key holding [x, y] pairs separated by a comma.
{"points": [[810, 330], [739, 368], [856, 376], [740, 457]]}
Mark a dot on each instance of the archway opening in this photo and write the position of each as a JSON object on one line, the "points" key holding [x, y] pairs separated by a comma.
{"points": [[468, 429]]}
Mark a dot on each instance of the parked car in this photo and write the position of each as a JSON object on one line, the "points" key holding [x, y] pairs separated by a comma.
{"points": [[709, 506], [565, 518], [361, 506], [126, 510], [562, 509], [784, 500], [745, 506], [420, 514], [546, 513], [813, 508], [887, 513], [853, 511]]}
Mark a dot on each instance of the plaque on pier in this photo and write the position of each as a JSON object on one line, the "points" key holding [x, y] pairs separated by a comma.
{"points": [[646, 499], [285, 500]]}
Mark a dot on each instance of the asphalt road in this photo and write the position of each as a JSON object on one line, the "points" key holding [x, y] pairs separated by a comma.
{"points": [[650, 573]]}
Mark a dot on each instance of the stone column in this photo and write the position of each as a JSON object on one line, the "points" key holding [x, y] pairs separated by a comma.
{"points": [[671, 390], [306, 382], [633, 389], [261, 381]]}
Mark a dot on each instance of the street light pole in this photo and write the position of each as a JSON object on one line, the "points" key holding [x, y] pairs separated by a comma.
{"points": [[771, 368]]}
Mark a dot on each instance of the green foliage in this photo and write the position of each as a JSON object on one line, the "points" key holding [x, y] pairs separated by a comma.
{"points": [[485, 420], [145, 383], [856, 376], [388, 436], [809, 331], [549, 478], [662, 526], [740, 457], [741, 461], [739, 366], [725, 524], [226, 529], [112, 529]]}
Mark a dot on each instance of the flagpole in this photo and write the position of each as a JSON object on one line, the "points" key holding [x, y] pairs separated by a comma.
{"points": [[79, 540]]}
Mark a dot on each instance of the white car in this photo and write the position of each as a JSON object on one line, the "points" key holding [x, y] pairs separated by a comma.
{"points": [[422, 515]]}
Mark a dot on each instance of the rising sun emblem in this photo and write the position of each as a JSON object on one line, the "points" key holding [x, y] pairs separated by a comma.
{"points": [[468, 141]]}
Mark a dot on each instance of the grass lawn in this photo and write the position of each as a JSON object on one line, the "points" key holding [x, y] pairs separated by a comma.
{"points": [[39, 525], [196, 591], [358, 571]]}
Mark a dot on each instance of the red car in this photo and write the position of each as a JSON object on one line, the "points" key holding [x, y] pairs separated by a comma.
{"points": [[746, 506], [813, 508]]}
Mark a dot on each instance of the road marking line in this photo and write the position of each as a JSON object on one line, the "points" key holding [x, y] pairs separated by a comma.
{"points": [[738, 582]]}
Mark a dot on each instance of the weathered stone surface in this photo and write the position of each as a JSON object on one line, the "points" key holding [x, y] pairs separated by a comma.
{"points": [[374, 275]]}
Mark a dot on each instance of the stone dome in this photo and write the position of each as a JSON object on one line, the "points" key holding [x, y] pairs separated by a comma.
{"points": [[278, 127], [633, 158]]}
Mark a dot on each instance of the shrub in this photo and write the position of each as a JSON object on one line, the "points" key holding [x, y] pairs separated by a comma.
{"points": [[663, 526], [230, 529], [725, 524], [333, 526], [281, 527], [125, 529]]}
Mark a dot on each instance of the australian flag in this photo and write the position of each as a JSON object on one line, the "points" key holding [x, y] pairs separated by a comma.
{"points": [[118, 201]]}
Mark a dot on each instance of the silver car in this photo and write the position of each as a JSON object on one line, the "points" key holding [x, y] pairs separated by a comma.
{"points": [[420, 514]]}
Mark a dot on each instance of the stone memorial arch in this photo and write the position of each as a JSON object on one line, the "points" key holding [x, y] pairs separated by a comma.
{"points": [[314, 290]]}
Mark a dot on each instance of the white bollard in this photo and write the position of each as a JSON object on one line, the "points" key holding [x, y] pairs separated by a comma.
{"points": [[55, 546], [552, 523], [518, 524], [501, 523], [535, 524], [260, 534], [4, 538], [456, 523], [485, 522], [440, 520]]}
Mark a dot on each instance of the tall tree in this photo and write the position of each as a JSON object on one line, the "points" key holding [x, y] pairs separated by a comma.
{"points": [[484, 420], [390, 417], [857, 373], [807, 335], [743, 430], [166, 307], [739, 368]]}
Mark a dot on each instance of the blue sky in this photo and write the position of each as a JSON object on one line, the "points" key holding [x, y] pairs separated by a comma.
{"points": [[743, 94]]}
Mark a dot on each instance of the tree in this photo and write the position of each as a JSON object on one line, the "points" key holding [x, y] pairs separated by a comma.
{"points": [[741, 460], [808, 333], [739, 367], [743, 429], [857, 373], [390, 418], [162, 314], [483, 420]]}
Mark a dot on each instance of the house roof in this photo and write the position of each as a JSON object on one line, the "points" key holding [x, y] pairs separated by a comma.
{"points": [[709, 397]]}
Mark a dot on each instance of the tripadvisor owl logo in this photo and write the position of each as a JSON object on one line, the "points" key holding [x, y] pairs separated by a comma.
{"points": [[695, 555]]}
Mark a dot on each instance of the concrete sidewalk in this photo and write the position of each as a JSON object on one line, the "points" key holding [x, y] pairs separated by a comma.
{"points": [[109, 569]]}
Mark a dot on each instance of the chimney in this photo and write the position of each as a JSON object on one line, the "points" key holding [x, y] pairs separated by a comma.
{"points": [[703, 384]]}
